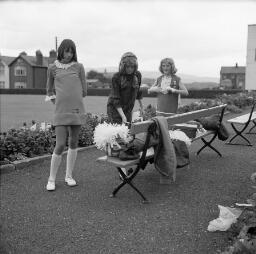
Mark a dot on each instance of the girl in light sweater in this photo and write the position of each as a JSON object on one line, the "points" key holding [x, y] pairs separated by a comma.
{"points": [[168, 88], [66, 88]]}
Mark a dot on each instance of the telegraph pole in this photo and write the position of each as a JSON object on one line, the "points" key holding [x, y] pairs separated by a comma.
{"points": [[56, 43]]}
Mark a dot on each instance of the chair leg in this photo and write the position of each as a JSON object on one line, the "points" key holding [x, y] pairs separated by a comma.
{"points": [[137, 190], [238, 133], [128, 180], [254, 125], [208, 144]]}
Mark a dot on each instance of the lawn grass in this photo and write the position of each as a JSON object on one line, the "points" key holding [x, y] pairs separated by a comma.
{"points": [[17, 109]]}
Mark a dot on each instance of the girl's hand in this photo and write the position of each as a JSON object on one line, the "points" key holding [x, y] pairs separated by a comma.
{"points": [[253, 177], [154, 90], [171, 90], [142, 113], [164, 91], [84, 93], [124, 119], [53, 101]]}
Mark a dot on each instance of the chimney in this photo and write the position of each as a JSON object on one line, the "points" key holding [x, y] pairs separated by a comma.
{"points": [[39, 57], [236, 65], [52, 56], [23, 53]]}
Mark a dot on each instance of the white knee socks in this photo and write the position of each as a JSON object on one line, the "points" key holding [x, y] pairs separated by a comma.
{"points": [[71, 159], [55, 163]]}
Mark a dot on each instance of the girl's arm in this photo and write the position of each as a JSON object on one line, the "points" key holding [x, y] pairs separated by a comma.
{"points": [[139, 94], [50, 91], [83, 80], [155, 88], [116, 97], [182, 89], [253, 177], [121, 113]]}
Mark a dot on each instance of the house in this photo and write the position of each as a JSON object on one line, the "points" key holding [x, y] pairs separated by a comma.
{"points": [[4, 71], [232, 77], [30, 71]]}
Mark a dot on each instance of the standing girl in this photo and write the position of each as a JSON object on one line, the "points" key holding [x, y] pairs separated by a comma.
{"points": [[66, 88], [168, 88], [125, 90]]}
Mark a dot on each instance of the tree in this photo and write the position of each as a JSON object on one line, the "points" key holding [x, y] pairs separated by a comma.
{"points": [[92, 74]]}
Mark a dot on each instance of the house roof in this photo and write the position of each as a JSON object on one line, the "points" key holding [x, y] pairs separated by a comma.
{"points": [[31, 60], [232, 69], [7, 59]]}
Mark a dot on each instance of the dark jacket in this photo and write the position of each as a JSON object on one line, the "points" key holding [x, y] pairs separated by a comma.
{"points": [[124, 91]]}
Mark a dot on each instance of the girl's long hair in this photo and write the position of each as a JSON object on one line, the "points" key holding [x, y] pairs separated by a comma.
{"points": [[67, 44], [127, 59]]}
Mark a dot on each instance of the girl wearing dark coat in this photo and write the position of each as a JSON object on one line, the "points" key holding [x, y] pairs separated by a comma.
{"points": [[125, 90]]}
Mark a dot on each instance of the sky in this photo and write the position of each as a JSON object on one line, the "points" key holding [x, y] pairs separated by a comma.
{"points": [[201, 36]]}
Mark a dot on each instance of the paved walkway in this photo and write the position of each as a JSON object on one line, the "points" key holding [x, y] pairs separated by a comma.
{"points": [[84, 219]]}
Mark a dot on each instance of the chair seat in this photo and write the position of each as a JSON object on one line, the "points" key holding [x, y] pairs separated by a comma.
{"points": [[123, 164], [242, 119]]}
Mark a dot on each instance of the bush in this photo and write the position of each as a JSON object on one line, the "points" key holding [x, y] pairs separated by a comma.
{"points": [[23, 143], [235, 104], [18, 144], [149, 112]]}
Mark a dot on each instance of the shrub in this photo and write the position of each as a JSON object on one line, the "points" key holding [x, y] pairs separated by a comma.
{"points": [[149, 112], [23, 143], [17, 144], [86, 135]]}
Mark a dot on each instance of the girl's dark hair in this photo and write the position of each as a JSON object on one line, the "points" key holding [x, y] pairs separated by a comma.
{"points": [[128, 59], [67, 44]]}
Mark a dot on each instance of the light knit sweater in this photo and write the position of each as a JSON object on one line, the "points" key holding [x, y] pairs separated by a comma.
{"points": [[69, 86]]}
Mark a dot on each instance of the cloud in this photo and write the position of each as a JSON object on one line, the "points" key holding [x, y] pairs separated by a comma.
{"points": [[200, 35]]}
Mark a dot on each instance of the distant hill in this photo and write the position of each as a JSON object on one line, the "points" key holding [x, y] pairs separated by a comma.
{"points": [[186, 78], [201, 85]]}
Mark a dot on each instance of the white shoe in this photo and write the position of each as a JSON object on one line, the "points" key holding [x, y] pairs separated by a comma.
{"points": [[70, 181], [50, 186]]}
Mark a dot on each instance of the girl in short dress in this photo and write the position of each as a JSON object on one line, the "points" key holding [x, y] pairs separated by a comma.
{"points": [[168, 88], [66, 87]]}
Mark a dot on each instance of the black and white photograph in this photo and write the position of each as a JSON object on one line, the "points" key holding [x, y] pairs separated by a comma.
{"points": [[127, 126]]}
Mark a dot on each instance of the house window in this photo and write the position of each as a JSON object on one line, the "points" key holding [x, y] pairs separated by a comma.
{"points": [[2, 83], [20, 71], [1, 70], [20, 84]]}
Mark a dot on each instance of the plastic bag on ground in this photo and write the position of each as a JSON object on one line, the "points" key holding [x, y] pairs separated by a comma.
{"points": [[227, 217]]}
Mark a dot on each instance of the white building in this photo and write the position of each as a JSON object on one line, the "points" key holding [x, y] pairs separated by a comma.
{"points": [[4, 71], [250, 77]]}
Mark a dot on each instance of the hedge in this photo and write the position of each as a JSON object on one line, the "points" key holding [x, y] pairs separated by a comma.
{"points": [[196, 94]]}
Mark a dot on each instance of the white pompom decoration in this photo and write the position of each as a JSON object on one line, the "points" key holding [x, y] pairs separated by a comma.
{"points": [[106, 134]]}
